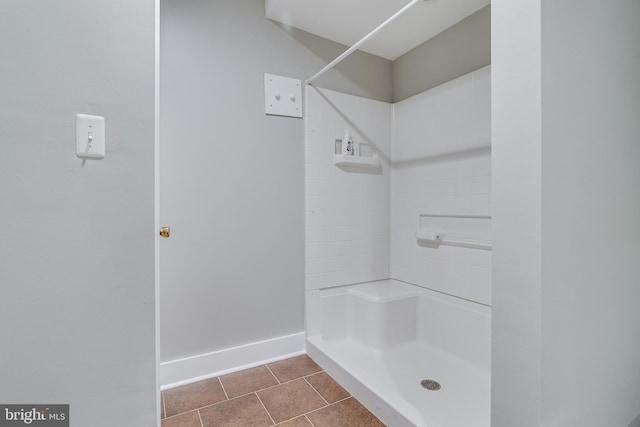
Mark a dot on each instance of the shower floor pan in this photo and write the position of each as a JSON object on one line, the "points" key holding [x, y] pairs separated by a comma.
{"points": [[382, 339]]}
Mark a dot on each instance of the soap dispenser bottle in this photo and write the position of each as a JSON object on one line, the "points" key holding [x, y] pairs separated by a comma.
{"points": [[347, 144]]}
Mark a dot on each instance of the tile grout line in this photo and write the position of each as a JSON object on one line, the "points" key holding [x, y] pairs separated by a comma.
{"points": [[315, 373], [274, 375], [248, 393], [317, 392], [324, 407], [223, 389], [200, 418], [265, 409], [310, 422], [342, 400], [293, 418], [182, 413], [305, 415]]}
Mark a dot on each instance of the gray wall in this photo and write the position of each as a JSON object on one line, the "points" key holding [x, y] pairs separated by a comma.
{"points": [[566, 102], [235, 175], [460, 49], [361, 74], [77, 251], [590, 213]]}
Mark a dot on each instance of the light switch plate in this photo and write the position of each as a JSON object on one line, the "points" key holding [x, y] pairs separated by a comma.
{"points": [[282, 96], [90, 141]]}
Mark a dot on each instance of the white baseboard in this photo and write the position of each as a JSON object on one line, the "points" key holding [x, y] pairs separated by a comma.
{"points": [[195, 368]]}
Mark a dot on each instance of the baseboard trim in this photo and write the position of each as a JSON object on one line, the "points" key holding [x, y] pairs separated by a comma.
{"points": [[200, 367]]}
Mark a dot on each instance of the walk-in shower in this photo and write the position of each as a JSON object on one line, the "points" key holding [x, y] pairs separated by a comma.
{"points": [[398, 250]]}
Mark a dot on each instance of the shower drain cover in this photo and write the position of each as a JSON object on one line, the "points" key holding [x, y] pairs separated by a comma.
{"points": [[430, 384]]}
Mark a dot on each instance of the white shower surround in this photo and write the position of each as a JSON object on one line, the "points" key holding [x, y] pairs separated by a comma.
{"points": [[441, 152], [347, 213], [435, 152], [361, 226]]}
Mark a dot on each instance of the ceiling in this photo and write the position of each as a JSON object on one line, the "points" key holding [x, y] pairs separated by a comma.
{"points": [[347, 21]]}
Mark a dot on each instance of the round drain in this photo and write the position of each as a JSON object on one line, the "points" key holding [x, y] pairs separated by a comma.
{"points": [[430, 385]]}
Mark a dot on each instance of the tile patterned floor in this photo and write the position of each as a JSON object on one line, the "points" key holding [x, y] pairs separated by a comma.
{"points": [[290, 393]]}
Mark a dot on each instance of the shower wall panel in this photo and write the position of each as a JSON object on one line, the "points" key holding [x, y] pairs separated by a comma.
{"points": [[347, 211], [441, 163]]}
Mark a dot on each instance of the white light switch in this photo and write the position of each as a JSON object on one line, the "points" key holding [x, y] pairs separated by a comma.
{"points": [[282, 96], [90, 136]]}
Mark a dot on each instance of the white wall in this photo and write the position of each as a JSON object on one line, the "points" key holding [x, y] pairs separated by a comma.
{"points": [[347, 212], [441, 152], [233, 269], [590, 213], [565, 148], [77, 251], [516, 174]]}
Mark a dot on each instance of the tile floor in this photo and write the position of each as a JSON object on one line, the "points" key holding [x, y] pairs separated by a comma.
{"points": [[293, 392]]}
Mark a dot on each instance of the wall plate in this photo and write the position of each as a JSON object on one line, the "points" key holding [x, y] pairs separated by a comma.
{"points": [[282, 96], [90, 140]]}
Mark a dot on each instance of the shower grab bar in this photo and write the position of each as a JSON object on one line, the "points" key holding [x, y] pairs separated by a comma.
{"points": [[361, 42], [475, 244], [440, 238]]}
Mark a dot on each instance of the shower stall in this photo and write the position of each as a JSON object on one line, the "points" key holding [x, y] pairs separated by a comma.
{"points": [[398, 250]]}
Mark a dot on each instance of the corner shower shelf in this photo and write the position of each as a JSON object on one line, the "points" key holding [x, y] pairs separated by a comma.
{"points": [[356, 163]]}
